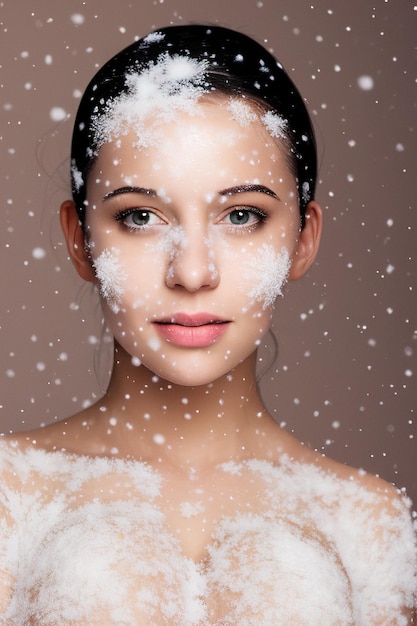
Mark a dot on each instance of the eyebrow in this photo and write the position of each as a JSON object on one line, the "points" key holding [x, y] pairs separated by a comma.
{"points": [[128, 189], [231, 191]]}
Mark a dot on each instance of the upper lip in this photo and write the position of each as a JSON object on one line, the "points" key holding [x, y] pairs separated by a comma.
{"points": [[195, 319]]}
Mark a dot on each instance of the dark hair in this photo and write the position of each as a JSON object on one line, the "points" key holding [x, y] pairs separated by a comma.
{"points": [[234, 64]]}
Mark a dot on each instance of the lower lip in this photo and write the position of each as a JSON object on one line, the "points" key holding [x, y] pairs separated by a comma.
{"points": [[192, 336]]}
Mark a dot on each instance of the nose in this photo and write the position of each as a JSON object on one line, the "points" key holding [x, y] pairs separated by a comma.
{"points": [[192, 264]]}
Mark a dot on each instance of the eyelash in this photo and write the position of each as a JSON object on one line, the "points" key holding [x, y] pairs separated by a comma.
{"points": [[120, 216], [261, 218], [260, 215]]}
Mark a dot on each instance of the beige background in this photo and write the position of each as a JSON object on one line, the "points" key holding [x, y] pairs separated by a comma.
{"points": [[345, 380]]}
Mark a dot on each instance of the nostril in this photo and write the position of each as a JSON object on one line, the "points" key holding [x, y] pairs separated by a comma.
{"points": [[192, 278]]}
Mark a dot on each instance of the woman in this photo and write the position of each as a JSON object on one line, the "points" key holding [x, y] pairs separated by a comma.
{"points": [[177, 499]]}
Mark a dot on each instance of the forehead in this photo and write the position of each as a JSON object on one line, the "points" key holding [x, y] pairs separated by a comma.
{"points": [[214, 123], [222, 141], [172, 85]]}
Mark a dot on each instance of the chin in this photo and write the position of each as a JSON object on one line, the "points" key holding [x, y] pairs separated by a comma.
{"points": [[194, 379]]}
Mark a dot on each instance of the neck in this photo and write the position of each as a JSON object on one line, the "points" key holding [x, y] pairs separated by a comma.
{"points": [[187, 425]]}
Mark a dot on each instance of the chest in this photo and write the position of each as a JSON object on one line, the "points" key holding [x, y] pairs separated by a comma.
{"points": [[113, 561]]}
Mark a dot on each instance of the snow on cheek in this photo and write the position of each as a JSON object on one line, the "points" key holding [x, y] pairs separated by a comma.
{"points": [[268, 271], [154, 344], [111, 275]]}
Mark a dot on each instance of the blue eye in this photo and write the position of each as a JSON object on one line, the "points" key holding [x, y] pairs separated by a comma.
{"points": [[137, 219], [247, 217], [239, 217]]}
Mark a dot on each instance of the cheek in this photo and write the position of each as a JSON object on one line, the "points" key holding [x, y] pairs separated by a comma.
{"points": [[111, 275], [127, 278], [265, 271]]}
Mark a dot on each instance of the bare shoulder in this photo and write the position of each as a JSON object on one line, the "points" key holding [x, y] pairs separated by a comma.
{"points": [[11, 448], [372, 505], [377, 492], [19, 463], [73, 435], [343, 480]]}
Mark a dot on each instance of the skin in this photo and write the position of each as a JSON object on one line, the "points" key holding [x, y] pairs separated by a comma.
{"points": [[184, 410], [193, 177], [224, 417]]}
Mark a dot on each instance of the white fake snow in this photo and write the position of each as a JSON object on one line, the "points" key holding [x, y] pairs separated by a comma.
{"points": [[268, 269], [365, 82], [57, 114], [263, 563], [111, 276], [39, 253]]}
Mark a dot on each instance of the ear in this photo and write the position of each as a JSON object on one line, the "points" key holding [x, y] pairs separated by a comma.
{"points": [[308, 242], [75, 238]]}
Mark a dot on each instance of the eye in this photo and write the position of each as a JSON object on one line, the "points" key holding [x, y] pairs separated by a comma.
{"points": [[138, 219], [249, 217]]}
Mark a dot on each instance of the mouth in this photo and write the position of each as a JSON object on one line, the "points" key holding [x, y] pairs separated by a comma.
{"points": [[193, 320], [199, 330]]}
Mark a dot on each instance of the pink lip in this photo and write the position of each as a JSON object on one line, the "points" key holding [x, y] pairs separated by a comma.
{"points": [[193, 331]]}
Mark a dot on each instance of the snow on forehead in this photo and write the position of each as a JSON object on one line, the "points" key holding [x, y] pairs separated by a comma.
{"points": [[245, 113], [172, 84]]}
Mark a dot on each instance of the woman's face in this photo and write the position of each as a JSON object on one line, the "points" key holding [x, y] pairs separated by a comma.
{"points": [[191, 234]]}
